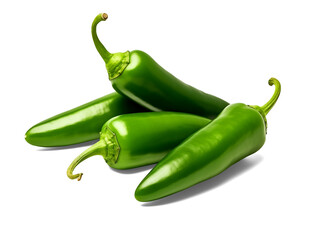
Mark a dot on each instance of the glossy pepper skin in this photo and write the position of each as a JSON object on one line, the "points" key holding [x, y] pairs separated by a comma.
{"points": [[136, 75], [80, 124], [238, 132], [139, 139]]}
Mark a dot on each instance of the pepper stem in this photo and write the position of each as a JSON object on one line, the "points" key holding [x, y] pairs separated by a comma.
{"points": [[268, 106], [98, 148], [99, 46], [115, 62]]}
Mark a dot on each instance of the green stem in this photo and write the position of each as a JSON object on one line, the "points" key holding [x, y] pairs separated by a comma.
{"points": [[115, 62], [96, 149], [99, 46], [268, 106]]}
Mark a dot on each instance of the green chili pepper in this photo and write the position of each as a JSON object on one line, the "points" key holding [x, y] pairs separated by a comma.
{"points": [[138, 139], [237, 132], [80, 124], [136, 75]]}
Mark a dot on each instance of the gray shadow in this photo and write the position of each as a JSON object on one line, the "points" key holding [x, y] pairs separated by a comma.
{"points": [[133, 170], [215, 182], [85, 144]]}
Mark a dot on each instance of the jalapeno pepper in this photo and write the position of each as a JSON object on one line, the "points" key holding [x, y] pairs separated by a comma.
{"points": [[239, 131], [136, 75], [80, 124], [138, 139]]}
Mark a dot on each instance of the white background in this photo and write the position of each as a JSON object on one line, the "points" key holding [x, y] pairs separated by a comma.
{"points": [[227, 48]]}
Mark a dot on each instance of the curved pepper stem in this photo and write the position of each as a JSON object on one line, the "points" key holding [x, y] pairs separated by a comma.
{"points": [[99, 46], [264, 110], [96, 149], [115, 62], [268, 106]]}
